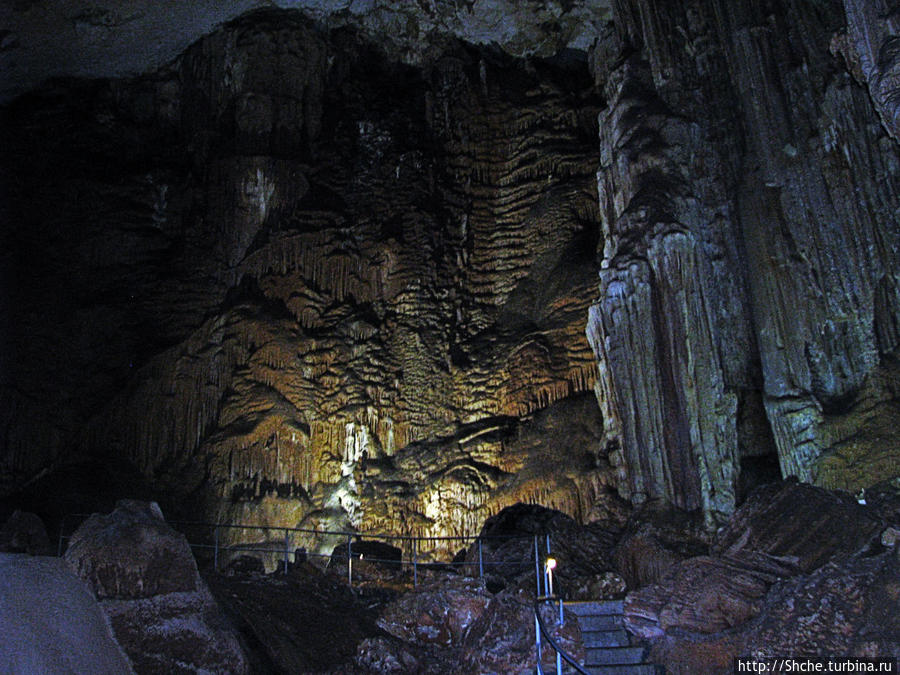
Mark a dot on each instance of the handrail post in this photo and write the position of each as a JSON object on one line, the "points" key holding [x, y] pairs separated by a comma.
{"points": [[287, 545], [537, 643], [415, 563], [537, 567], [216, 550], [480, 560], [349, 560]]}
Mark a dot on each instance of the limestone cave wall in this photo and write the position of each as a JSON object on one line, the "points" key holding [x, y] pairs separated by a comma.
{"points": [[317, 287], [296, 279], [748, 194]]}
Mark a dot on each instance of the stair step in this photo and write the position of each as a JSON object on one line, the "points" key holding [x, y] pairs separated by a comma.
{"points": [[614, 656], [594, 607], [642, 669], [604, 638], [600, 622]]}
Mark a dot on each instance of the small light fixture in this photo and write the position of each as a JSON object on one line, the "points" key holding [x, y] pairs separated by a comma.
{"points": [[549, 566]]}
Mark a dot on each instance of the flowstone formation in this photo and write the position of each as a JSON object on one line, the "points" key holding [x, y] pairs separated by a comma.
{"points": [[748, 293], [314, 287]]}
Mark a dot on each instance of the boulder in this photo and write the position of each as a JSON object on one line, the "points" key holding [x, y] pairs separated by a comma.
{"points": [[601, 586], [24, 532], [50, 621], [146, 579], [380, 655], [842, 608], [502, 640], [811, 524], [457, 623], [440, 613], [704, 594], [582, 551], [132, 553], [798, 570]]}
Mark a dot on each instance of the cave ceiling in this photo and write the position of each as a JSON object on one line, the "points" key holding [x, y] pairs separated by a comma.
{"points": [[41, 39]]}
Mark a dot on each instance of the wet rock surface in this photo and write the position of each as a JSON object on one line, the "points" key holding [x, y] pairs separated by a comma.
{"points": [[145, 577]]}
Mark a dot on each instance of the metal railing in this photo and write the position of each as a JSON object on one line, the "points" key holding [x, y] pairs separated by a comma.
{"points": [[211, 544], [541, 632], [289, 535], [544, 579]]}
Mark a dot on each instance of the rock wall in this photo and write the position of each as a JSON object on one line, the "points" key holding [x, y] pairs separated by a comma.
{"points": [[748, 201], [310, 285], [292, 277]]}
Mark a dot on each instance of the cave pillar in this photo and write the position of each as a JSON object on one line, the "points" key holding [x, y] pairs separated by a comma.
{"points": [[661, 328], [660, 382]]}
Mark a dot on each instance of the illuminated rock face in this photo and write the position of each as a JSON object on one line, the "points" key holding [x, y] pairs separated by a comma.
{"points": [[315, 286], [321, 288], [748, 196]]}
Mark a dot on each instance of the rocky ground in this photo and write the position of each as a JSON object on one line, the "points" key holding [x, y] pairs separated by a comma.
{"points": [[269, 609], [796, 571]]}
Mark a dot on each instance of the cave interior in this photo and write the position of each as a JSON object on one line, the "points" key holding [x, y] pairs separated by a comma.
{"points": [[398, 267]]}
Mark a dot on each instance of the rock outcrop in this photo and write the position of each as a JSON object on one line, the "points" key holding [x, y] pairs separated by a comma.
{"points": [[797, 570], [740, 312], [704, 595], [808, 525], [145, 577], [844, 608], [457, 621]]}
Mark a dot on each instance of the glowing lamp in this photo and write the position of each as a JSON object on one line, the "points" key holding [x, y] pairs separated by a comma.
{"points": [[549, 566]]}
